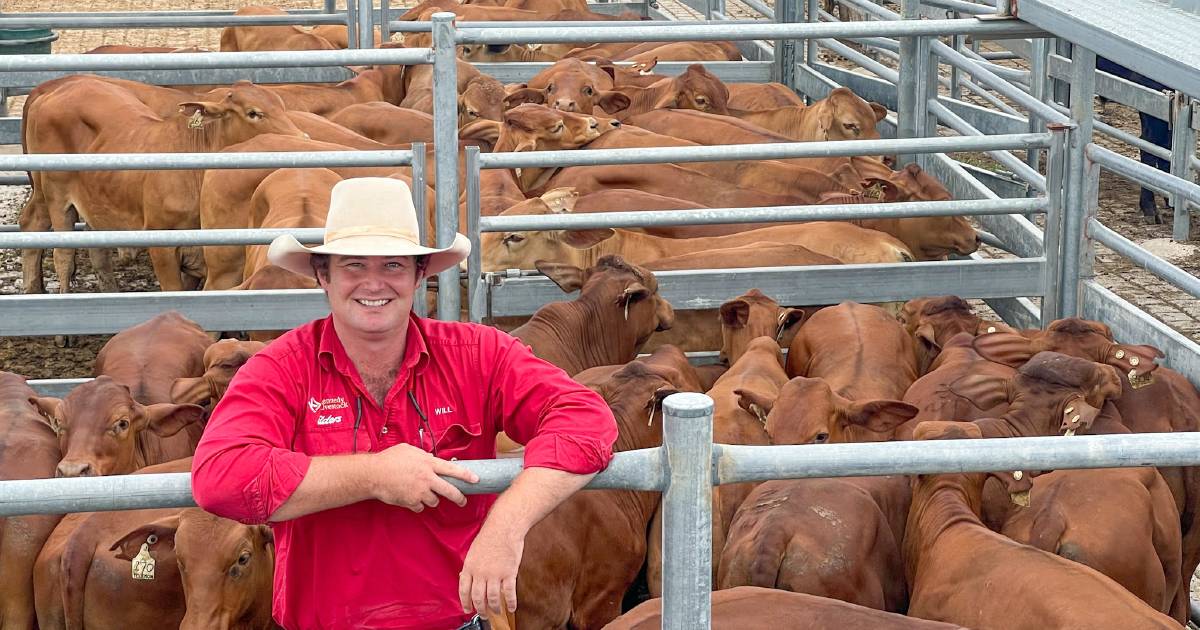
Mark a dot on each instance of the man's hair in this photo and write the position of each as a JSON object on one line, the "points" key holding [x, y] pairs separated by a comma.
{"points": [[320, 264]]}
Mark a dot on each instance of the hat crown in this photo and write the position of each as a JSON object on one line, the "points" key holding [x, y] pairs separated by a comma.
{"points": [[365, 204]]}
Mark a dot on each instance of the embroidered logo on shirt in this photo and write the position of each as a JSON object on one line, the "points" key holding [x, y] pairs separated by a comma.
{"points": [[443, 410], [328, 404], [325, 420]]}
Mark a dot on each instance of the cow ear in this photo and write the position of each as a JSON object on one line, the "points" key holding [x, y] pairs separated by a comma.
{"points": [[167, 419], [49, 408], [1107, 385], [755, 402], [983, 392], [613, 101], [926, 336], [788, 318], [735, 313], [198, 111], [644, 67], [987, 328], [189, 390], [163, 532], [946, 430], [879, 416], [889, 192], [824, 121], [561, 200], [568, 277], [583, 239], [485, 130], [632, 293], [524, 95], [1136, 359], [881, 112], [1006, 348], [268, 534]]}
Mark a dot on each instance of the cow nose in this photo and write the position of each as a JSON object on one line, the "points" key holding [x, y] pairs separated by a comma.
{"points": [[565, 105], [74, 469]]}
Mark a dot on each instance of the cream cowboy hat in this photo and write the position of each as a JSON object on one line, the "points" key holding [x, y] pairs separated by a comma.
{"points": [[368, 216]]}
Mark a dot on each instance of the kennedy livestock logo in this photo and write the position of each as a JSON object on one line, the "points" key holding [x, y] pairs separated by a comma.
{"points": [[328, 404]]}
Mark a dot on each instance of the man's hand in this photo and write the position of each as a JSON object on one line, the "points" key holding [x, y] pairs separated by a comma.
{"points": [[489, 577], [407, 476]]}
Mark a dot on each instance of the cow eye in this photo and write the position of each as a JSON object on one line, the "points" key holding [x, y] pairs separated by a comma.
{"points": [[472, 113], [821, 438], [513, 238], [587, 90], [559, 127], [550, 87], [850, 126], [121, 425], [244, 559], [254, 114]]}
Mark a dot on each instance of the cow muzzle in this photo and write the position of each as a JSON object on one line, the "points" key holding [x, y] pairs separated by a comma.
{"points": [[75, 468]]}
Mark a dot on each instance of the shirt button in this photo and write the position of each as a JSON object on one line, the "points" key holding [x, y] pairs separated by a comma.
{"points": [[383, 430]]}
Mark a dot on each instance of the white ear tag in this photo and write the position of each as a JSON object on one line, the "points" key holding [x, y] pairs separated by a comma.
{"points": [[143, 562]]}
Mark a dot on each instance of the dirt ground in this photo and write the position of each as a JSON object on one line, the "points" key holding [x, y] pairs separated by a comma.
{"points": [[40, 358]]}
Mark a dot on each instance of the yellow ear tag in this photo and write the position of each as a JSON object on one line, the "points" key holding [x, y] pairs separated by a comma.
{"points": [[196, 122], [143, 563]]}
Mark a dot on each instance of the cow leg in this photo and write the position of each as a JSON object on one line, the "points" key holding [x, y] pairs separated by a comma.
{"points": [[35, 217], [225, 266], [166, 268], [191, 260], [101, 258], [64, 259]]}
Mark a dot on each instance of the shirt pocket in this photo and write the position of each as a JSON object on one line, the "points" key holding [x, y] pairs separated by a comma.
{"points": [[332, 439], [461, 440]]}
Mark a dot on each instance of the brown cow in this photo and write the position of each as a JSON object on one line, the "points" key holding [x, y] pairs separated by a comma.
{"points": [[531, 127], [494, 53], [961, 572], [59, 123], [149, 357], [28, 450], [221, 361], [837, 538], [932, 321], [571, 85], [386, 123], [515, 250], [842, 115], [682, 51], [86, 565], [283, 37], [617, 309], [752, 315], [753, 608], [382, 83], [757, 96], [479, 95], [121, 49], [338, 35], [1136, 542], [695, 88], [103, 431], [560, 584], [288, 198]]}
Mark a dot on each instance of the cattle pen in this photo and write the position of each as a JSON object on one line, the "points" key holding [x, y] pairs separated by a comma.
{"points": [[1046, 223]]}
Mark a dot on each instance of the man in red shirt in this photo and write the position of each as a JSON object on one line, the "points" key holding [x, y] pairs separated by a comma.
{"points": [[336, 434]]}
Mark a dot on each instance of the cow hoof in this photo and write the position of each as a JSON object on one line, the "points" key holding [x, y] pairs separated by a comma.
{"points": [[1152, 219], [64, 341]]}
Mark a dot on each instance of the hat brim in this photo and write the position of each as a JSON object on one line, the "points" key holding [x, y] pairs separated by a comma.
{"points": [[286, 252]]}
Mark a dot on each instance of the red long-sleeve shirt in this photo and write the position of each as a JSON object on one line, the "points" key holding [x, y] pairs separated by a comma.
{"points": [[369, 564]]}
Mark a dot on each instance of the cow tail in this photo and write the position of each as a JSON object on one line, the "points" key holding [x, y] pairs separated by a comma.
{"points": [[76, 562], [766, 563]]}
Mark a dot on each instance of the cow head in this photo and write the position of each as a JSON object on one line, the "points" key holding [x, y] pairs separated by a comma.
{"points": [[573, 85], [1051, 393], [99, 426], [620, 295], [245, 111], [933, 321], [226, 567], [221, 361], [1017, 483], [519, 250], [752, 315], [1075, 337], [532, 127], [697, 89], [808, 411], [843, 115], [481, 99]]}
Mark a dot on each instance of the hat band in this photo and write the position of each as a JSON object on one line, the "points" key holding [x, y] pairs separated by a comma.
{"points": [[370, 230]]}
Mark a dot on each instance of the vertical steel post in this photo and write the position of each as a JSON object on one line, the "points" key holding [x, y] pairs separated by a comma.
{"points": [[1183, 147], [911, 65], [366, 26], [955, 74], [352, 23], [385, 11], [418, 189], [811, 56], [1039, 79], [786, 12], [1087, 252], [475, 297], [1083, 87], [687, 512], [1062, 93], [1056, 166], [331, 6], [445, 147]]}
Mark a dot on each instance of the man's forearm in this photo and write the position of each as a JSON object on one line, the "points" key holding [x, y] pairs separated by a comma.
{"points": [[533, 494], [331, 482]]}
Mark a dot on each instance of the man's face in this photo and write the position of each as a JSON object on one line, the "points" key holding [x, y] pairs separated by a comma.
{"points": [[370, 295]]}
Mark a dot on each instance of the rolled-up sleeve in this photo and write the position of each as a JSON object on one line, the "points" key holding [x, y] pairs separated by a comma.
{"points": [[563, 425], [244, 468]]}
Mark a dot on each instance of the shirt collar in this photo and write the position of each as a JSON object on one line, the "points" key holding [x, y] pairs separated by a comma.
{"points": [[416, 351]]}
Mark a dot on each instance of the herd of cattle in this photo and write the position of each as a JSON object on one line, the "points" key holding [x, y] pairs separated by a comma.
{"points": [[1095, 549]]}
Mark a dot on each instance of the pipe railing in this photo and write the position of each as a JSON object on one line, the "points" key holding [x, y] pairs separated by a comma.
{"points": [[211, 20], [1138, 172], [1139, 256]]}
